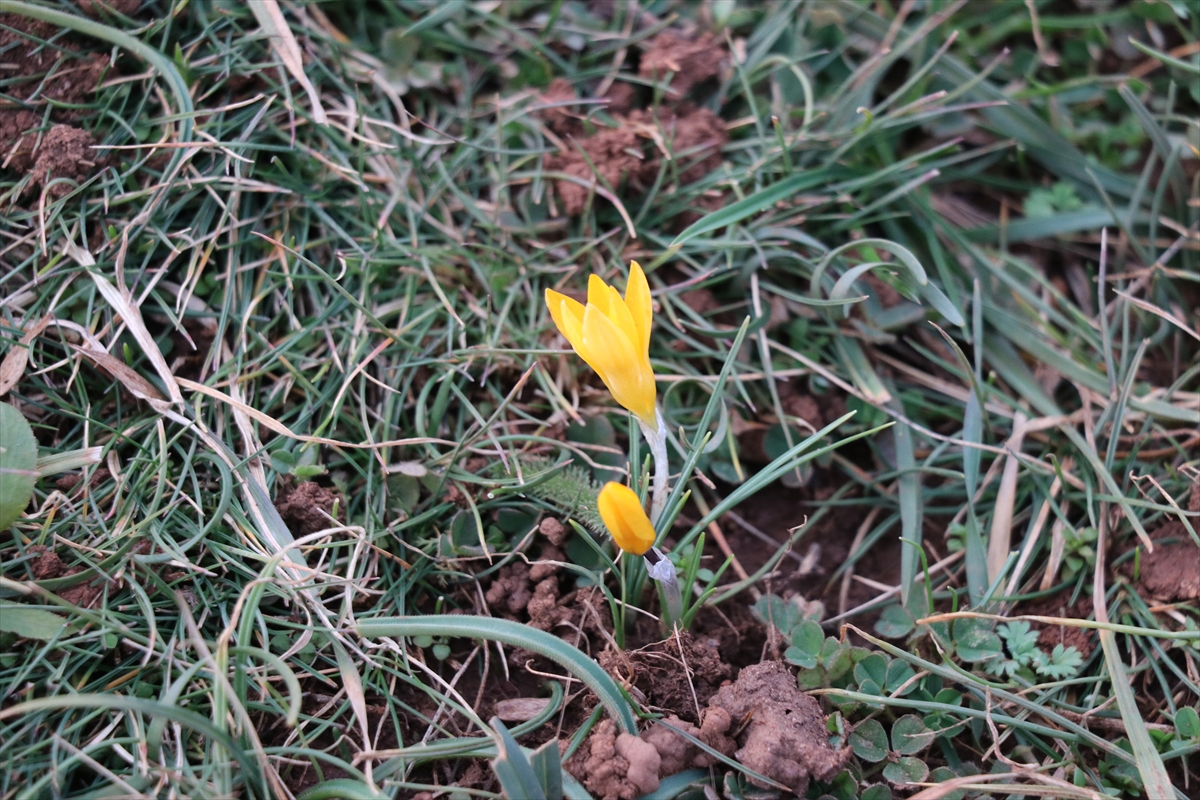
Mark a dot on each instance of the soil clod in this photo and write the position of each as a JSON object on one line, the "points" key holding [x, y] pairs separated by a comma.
{"points": [[306, 507], [785, 739]]}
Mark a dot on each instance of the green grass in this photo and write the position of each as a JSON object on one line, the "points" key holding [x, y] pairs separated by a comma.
{"points": [[365, 301]]}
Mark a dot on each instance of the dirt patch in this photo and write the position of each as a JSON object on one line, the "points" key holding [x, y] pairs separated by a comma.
{"points": [[307, 507], [678, 674], [68, 482], [785, 739], [684, 130], [1172, 571], [678, 753], [610, 154], [635, 149], [692, 60], [562, 120], [84, 595], [38, 74]]}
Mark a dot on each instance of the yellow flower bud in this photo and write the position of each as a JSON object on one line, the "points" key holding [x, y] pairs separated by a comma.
{"points": [[612, 334], [625, 519]]}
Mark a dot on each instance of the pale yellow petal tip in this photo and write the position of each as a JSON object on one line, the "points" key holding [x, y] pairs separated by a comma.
{"points": [[625, 518]]}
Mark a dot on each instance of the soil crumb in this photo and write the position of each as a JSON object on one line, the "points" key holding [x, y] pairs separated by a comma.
{"points": [[306, 507], [692, 60], [46, 563], [65, 152], [785, 739], [677, 753], [1172, 571], [605, 764]]}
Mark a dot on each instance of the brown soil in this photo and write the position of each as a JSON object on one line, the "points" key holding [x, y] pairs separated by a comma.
{"points": [[621, 766], [636, 148], [677, 675], [40, 74], [46, 564], [692, 60], [1172, 571], [307, 507], [94, 8], [685, 129], [785, 739], [65, 152], [763, 720], [613, 153]]}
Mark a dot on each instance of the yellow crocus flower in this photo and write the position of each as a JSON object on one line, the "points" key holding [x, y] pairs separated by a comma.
{"points": [[625, 518], [612, 334]]}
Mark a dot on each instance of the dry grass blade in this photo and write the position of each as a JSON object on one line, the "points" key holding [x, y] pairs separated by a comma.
{"points": [[1054, 787], [1000, 538], [138, 386], [1153, 309], [283, 41], [16, 359]]}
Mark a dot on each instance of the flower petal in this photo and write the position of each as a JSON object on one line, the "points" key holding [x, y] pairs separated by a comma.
{"points": [[615, 358], [637, 299], [567, 314], [599, 294], [625, 518]]}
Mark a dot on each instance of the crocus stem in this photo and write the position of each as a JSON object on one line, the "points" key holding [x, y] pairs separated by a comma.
{"points": [[657, 439], [660, 568]]}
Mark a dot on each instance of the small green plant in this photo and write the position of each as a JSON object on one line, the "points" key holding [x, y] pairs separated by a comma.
{"points": [[1079, 552], [909, 737], [1059, 198], [1022, 654]]}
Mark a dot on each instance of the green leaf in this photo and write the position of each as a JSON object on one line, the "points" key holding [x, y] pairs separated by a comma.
{"points": [[898, 674], [869, 741], [1150, 765], [1062, 663], [1187, 723], [30, 623], [18, 464], [910, 736], [809, 637], [801, 658], [516, 775], [894, 622], [759, 201], [973, 641], [547, 766], [943, 774], [872, 669], [342, 789], [877, 792], [906, 770]]}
